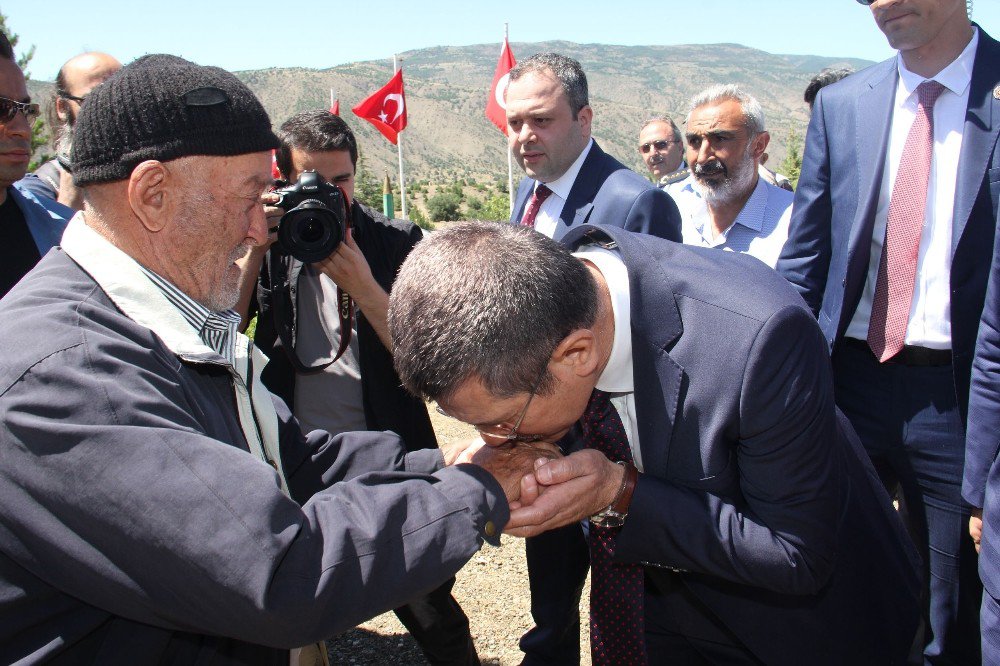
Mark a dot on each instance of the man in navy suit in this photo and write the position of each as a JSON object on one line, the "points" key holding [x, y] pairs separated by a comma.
{"points": [[572, 179], [981, 484], [742, 499], [890, 244]]}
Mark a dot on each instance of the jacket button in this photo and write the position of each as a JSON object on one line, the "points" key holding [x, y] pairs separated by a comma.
{"points": [[490, 529]]}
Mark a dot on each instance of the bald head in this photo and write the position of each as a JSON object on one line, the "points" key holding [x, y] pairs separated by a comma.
{"points": [[78, 76]]}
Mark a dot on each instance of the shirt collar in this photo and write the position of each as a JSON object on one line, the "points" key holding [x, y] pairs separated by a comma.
{"points": [[617, 376], [134, 292], [562, 185], [955, 77]]}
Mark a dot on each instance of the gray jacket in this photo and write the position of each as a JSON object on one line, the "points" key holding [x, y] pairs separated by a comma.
{"points": [[136, 526]]}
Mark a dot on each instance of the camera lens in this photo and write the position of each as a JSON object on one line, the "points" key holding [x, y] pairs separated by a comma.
{"points": [[310, 231]]}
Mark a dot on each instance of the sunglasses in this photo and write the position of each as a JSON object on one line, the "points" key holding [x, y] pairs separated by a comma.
{"points": [[659, 145], [10, 107]]}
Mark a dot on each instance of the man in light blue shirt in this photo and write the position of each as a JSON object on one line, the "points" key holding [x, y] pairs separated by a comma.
{"points": [[724, 203]]}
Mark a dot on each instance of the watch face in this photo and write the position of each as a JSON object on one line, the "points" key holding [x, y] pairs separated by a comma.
{"points": [[608, 518]]}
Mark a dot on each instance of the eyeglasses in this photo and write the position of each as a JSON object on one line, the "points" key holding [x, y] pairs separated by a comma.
{"points": [[10, 107], [73, 98], [511, 436], [659, 145]]}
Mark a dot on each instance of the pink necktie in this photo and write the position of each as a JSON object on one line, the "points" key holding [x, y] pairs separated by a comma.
{"points": [[539, 196], [898, 267], [617, 590]]}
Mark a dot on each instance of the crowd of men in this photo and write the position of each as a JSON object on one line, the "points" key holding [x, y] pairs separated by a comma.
{"points": [[765, 422]]}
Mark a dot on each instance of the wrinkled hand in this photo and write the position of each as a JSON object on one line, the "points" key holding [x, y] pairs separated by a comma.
{"points": [[511, 463], [273, 215], [976, 526], [565, 491]]}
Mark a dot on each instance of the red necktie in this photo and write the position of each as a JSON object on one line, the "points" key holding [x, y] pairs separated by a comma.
{"points": [[539, 196], [617, 632], [898, 267]]}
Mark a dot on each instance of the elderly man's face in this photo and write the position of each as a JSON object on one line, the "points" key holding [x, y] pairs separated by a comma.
{"points": [[541, 130], [659, 150], [15, 135], [721, 151], [219, 219]]}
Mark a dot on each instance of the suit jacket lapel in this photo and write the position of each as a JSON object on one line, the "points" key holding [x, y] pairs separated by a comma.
{"points": [[524, 190], [656, 325], [588, 181], [874, 120], [979, 135]]}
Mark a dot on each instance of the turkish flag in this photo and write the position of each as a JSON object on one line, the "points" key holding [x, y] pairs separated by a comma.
{"points": [[386, 109], [496, 106], [335, 107], [275, 171]]}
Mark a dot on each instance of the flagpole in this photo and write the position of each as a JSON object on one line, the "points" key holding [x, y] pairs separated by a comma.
{"points": [[510, 156], [399, 149], [331, 98]]}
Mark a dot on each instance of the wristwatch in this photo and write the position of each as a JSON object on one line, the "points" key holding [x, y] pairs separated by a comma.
{"points": [[614, 514]]}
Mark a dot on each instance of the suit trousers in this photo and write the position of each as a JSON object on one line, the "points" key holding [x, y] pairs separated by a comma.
{"points": [[909, 422], [991, 630], [440, 627]]}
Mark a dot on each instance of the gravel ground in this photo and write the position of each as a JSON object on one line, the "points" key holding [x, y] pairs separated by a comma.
{"points": [[492, 589]]}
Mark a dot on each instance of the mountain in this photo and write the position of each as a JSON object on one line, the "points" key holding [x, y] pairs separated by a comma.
{"points": [[449, 137]]}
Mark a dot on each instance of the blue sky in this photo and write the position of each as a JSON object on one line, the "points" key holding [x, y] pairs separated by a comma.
{"points": [[253, 35]]}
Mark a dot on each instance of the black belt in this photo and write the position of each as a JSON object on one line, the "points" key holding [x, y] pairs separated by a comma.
{"points": [[909, 355]]}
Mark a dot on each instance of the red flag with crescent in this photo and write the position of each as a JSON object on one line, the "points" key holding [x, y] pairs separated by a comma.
{"points": [[335, 107], [496, 105], [385, 109]]}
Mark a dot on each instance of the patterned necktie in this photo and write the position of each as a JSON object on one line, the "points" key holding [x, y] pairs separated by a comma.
{"points": [[898, 267], [617, 633], [539, 196]]}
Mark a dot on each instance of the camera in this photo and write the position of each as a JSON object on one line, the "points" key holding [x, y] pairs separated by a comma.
{"points": [[313, 224]]}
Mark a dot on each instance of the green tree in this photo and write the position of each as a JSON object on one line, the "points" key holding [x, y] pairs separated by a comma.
{"points": [[39, 136], [418, 218], [496, 208], [444, 206], [791, 166]]}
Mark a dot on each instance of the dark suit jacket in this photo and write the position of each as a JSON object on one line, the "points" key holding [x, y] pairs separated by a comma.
{"points": [[755, 492], [385, 244], [829, 241], [608, 192], [981, 483]]}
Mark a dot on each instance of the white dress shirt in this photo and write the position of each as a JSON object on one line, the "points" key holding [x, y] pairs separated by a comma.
{"points": [[930, 311], [616, 379], [547, 221]]}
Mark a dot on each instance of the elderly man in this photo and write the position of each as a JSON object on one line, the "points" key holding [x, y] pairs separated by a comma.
{"points": [[662, 149], [74, 81], [734, 517], [29, 225], [725, 203], [570, 179], [157, 505], [890, 245]]}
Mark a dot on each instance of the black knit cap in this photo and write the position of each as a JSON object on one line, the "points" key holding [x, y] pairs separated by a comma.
{"points": [[161, 107]]}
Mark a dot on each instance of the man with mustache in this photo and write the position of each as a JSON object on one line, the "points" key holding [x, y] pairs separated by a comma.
{"points": [[725, 203], [890, 245], [76, 78], [29, 225], [662, 149]]}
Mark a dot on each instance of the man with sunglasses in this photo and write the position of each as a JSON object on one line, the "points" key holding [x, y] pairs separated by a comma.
{"points": [[743, 520], [890, 245], [74, 81], [29, 225], [662, 150]]}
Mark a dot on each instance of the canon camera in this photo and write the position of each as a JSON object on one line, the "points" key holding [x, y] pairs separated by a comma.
{"points": [[313, 224]]}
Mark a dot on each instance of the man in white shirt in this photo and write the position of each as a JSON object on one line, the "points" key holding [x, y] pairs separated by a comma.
{"points": [[890, 245], [724, 202]]}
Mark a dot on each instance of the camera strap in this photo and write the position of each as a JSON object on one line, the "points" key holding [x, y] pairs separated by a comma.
{"points": [[345, 304]]}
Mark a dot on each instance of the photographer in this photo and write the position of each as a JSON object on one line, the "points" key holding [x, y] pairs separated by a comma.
{"points": [[300, 328]]}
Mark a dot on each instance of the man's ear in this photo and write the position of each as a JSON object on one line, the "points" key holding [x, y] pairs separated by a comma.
{"points": [[586, 117], [149, 194], [760, 144], [62, 110], [577, 354]]}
